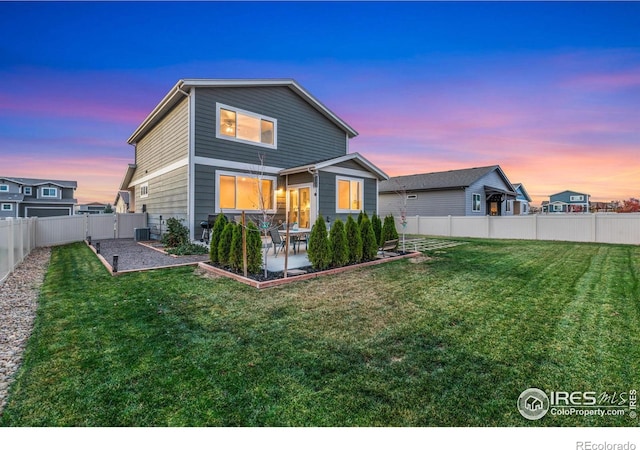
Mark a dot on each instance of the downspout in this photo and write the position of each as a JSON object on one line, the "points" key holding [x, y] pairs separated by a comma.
{"points": [[316, 187], [190, 169]]}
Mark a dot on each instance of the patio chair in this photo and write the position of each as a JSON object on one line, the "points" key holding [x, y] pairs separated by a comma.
{"points": [[278, 242]]}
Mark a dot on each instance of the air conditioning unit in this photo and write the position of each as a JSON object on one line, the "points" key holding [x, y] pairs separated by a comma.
{"points": [[142, 234]]}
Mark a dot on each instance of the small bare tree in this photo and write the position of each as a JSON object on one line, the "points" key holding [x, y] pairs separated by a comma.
{"points": [[266, 217], [401, 191]]}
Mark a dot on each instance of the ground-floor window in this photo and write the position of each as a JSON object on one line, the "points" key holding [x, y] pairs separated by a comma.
{"points": [[245, 192], [349, 193], [476, 203], [7, 207]]}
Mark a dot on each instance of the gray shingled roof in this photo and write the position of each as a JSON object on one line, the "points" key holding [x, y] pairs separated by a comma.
{"points": [[449, 179], [39, 181]]}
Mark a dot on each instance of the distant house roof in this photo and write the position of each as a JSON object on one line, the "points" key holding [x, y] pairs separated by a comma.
{"points": [[437, 181], [333, 161], [519, 186], [41, 181], [124, 195], [183, 87]]}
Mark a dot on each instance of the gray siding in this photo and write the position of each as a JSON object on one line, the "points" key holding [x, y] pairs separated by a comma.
{"points": [[430, 203], [300, 178], [327, 197], [304, 135], [492, 179], [167, 197], [166, 143]]}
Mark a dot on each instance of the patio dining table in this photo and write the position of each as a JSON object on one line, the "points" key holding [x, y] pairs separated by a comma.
{"points": [[296, 235]]}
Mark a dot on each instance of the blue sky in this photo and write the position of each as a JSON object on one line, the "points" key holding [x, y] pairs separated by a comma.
{"points": [[548, 90]]}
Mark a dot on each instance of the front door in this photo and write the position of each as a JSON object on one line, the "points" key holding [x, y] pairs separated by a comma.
{"points": [[494, 205], [301, 206]]}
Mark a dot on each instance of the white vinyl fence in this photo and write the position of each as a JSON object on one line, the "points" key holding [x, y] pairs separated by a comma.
{"points": [[604, 228], [19, 236], [17, 239]]}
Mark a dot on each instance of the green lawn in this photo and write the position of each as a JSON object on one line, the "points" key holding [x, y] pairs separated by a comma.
{"points": [[451, 341]]}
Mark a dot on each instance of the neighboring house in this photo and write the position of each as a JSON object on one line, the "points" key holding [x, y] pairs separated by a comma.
{"points": [[227, 146], [522, 203], [31, 197], [566, 202], [121, 203], [91, 208], [477, 191]]}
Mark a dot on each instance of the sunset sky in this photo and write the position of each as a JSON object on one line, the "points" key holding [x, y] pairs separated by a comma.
{"points": [[549, 91]]}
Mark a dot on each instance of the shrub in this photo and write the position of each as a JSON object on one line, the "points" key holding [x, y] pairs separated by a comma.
{"points": [[216, 232], [354, 241], [254, 249], [361, 217], [389, 231], [177, 234], [376, 223], [224, 246], [369, 243], [338, 244], [235, 252], [319, 251], [188, 248]]}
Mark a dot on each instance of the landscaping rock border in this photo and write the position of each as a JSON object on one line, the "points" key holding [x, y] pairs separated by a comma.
{"points": [[18, 305]]}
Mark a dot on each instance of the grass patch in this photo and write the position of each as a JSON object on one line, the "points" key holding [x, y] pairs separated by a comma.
{"points": [[451, 341]]}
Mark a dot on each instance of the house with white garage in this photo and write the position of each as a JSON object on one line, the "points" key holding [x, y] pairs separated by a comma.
{"points": [[36, 197]]}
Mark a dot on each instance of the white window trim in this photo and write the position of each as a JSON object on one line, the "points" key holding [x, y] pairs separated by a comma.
{"points": [[360, 194], [4, 207], [144, 186], [4, 188], [249, 175], [576, 198], [42, 195], [27, 190], [473, 203], [557, 208], [250, 114]]}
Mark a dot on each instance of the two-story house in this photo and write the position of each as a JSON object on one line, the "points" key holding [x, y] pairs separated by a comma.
{"points": [[567, 202], [226, 146], [31, 197], [476, 191]]}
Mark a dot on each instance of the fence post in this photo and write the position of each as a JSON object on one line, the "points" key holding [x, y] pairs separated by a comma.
{"points": [[417, 224], [11, 245], [449, 225], [594, 234], [535, 227], [487, 225]]}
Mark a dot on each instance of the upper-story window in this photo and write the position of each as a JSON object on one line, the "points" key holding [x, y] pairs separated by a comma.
{"points": [[49, 192], [144, 190], [7, 207], [26, 190], [576, 198], [244, 126], [4, 188]]}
